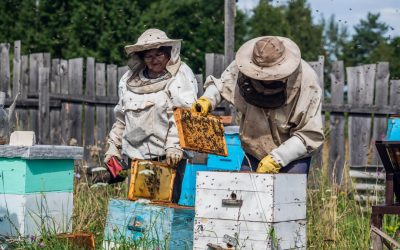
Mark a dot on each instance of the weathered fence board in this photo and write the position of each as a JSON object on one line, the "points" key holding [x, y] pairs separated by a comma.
{"points": [[89, 112], [44, 108], [395, 93], [200, 89], [381, 99], [65, 107], [35, 62], [16, 83], [55, 87], [215, 64], [337, 128], [75, 75], [112, 89], [229, 31], [318, 66], [5, 68], [361, 91], [22, 122], [100, 110]]}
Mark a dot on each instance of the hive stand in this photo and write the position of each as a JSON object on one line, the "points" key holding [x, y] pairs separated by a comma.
{"points": [[389, 151]]}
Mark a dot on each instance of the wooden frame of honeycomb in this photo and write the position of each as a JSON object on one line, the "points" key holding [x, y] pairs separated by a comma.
{"points": [[200, 133]]}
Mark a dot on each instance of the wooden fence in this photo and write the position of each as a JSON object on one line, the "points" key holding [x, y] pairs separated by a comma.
{"points": [[71, 102]]}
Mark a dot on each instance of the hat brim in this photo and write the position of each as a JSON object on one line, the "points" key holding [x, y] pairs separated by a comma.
{"points": [[129, 49], [291, 61]]}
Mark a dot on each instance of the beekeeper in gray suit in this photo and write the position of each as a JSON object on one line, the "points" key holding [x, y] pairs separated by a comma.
{"points": [[278, 96]]}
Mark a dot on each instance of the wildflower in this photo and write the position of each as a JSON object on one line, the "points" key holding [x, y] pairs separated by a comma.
{"points": [[32, 238], [77, 176]]}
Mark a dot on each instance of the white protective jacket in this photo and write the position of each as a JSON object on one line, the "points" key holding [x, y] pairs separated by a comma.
{"points": [[145, 126], [287, 133]]}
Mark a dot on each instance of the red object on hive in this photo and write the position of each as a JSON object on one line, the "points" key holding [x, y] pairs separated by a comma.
{"points": [[114, 166]]}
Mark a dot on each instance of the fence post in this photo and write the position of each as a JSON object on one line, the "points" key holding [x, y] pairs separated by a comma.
{"points": [[112, 89], [90, 91], [35, 62], [395, 93], [229, 45], [381, 99], [65, 106], [44, 106], [75, 77], [5, 68], [55, 121], [22, 114], [100, 110], [336, 137]]}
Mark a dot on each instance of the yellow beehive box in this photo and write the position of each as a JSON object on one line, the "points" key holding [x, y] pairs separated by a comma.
{"points": [[151, 180]]}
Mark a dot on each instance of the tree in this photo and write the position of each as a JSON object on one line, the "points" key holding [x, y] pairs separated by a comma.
{"points": [[307, 35], [268, 20], [369, 36], [335, 38]]}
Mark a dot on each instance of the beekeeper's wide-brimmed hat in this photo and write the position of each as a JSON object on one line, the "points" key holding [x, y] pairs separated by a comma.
{"points": [[268, 58], [151, 39]]}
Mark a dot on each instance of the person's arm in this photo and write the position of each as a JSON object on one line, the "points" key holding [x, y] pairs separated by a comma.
{"points": [[216, 89], [308, 135], [115, 135]]}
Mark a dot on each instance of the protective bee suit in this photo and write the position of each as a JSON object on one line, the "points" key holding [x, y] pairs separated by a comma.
{"points": [[279, 98], [145, 127]]}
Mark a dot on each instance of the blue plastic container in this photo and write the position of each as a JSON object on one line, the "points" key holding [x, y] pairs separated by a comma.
{"points": [[393, 130], [232, 162]]}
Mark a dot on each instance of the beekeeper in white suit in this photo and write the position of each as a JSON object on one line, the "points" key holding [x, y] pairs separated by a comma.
{"points": [[156, 82], [279, 98]]}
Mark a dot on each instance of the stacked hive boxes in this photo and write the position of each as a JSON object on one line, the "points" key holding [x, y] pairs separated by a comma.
{"points": [[37, 188], [250, 211]]}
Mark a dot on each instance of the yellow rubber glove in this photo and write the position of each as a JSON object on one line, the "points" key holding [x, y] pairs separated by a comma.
{"points": [[202, 106], [268, 165]]}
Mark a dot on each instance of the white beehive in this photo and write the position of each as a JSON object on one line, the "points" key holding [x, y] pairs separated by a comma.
{"points": [[250, 211]]}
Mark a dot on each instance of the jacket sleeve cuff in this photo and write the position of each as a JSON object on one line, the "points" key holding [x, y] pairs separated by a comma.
{"points": [[288, 151], [213, 95]]}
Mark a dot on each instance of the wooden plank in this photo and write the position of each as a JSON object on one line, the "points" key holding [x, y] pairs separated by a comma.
{"points": [[31, 103], [65, 106], [89, 112], [22, 121], [16, 81], [214, 64], [337, 126], [366, 175], [81, 99], [101, 128], [17, 68], [361, 88], [55, 87], [361, 110], [75, 77], [112, 89], [369, 187], [200, 87], [229, 31], [5, 68], [381, 99], [385, 236], [35, 62], [284, 232], [318, 66], [41, 152], [395, 93], [44, 106]]}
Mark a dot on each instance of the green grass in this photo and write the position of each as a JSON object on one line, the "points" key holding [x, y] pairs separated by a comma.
{"points": [[348, 226]]}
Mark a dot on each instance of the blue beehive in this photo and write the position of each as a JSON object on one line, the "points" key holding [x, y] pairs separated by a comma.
{"points": [[213, 163], [131, 225], [393, 130]]}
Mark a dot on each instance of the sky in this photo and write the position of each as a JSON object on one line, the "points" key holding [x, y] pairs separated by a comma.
{"points": [[348, 12]]}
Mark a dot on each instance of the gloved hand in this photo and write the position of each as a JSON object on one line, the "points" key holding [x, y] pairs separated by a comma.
{"points": [[174, 155], [202, 106], [112, 151], [268, 165]]}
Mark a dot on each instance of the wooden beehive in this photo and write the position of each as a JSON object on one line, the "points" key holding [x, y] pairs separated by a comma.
{"points": [[37, 188], [200, 133], [151, 180], [250, 211], [133, 225]]}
